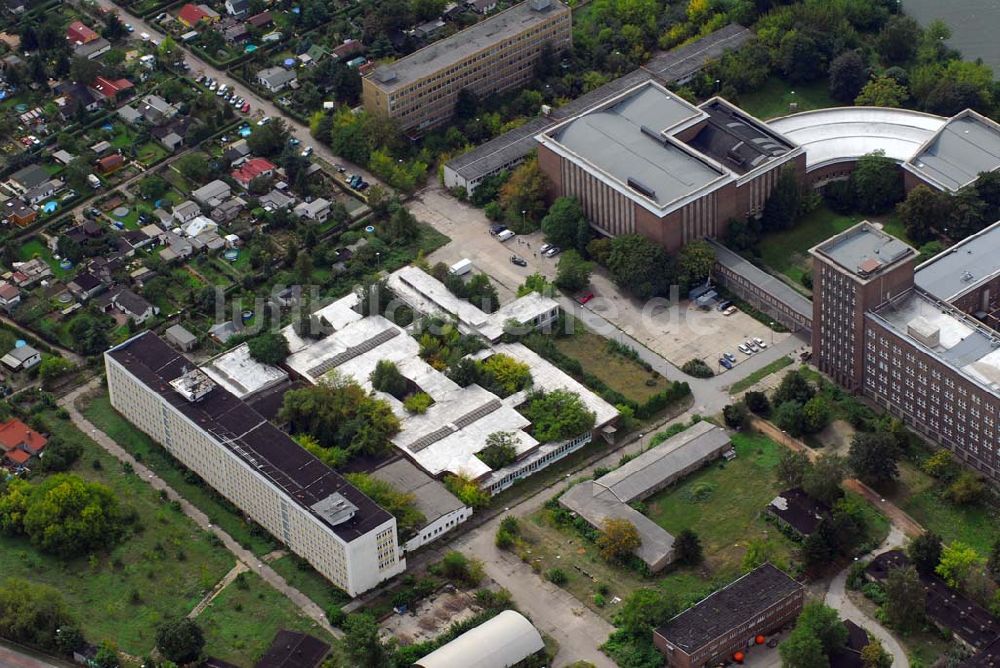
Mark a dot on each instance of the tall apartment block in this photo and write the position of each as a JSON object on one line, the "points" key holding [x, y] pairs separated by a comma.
{"points": [[314, 511], [492, 56], [921, 341]]}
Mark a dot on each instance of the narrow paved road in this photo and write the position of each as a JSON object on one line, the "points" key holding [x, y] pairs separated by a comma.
{"points": [[243, 555], [18, 658]]}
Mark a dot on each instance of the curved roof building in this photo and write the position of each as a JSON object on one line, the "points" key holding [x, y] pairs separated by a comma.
{"points": [[497, 643], [844, 134]]}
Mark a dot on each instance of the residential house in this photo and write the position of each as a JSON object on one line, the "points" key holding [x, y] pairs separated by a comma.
{"points": [[275, 200], [63, 157], [236, 32], [78, 33], [10, 296], [17, 212], [133, 240], [129, 114], [28, 177], [261, 21], [43, 191], [798, 512], [170, 136], [212, 194], [176, 247], [197, 225], [92, 50], [181, 337], [428, 30], [237, 153], [228, 210], [110, 163], [141, 276], [190, 15], [156, 110], [224, 331], [101, 147], [110, 90], [312, 55], [134, 306], [348, 49], [21, 358], [276, 78], [20, 442], [85, 285], [74, 98], [317, 210], [291, 649], [30, 272], [252, 169], [185, 211], [237, 8]]}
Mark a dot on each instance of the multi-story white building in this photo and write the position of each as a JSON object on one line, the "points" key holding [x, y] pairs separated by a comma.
{"points": [[314, 511]]}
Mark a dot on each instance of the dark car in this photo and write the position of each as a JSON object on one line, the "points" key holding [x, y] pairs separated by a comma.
{"points": [[496, 228], [518, 260]]}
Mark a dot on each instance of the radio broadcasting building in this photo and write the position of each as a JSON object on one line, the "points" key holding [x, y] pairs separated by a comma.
{"points": [[919, 340], [342, 533]]}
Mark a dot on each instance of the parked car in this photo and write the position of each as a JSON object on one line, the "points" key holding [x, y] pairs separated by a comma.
{"points": [[552, 252], [307, 151], [760, 342], [731, 357], [544, 248], [725, 363], [585, 297], [724, 305], [145, 36], [506, 235], [212, 85], [293, 141], [743, 349], [160, 17], [518, 260], [752, 345], [729, 311], [129, 27], [245, 108], [199, 79], [496, 228], [805, 355], [264, 121]]}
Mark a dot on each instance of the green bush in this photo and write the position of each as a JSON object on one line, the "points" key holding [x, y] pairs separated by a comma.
{"points": [[556, 576], [418, 403], [697, 368]]}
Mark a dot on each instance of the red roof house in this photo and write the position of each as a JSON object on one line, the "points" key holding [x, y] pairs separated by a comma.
{"points": [[191, 14], [261, 20], [77, 33], [350, 47], [110, 163], [110, 89], [19, 442], [251, 169]]}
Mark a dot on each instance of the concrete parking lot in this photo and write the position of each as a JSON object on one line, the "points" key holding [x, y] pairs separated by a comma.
{"points": [[676, 331]]}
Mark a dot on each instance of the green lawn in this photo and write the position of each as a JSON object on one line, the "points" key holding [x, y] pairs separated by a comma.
{"points": [[150, 153], [159, 573], [617, 371], [98, 410], [241, 622], [303, 577], [35, 248], [775, 96], [758, 375]]}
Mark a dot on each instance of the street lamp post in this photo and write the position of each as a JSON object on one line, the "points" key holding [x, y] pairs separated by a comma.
{"points": [[523, 223], [772, 332]]}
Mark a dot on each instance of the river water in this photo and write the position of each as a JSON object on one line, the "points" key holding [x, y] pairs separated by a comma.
{"points": [[975, 25]]}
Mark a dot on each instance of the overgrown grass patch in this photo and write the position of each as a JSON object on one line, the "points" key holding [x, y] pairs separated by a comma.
{"points": [[617, 371]]}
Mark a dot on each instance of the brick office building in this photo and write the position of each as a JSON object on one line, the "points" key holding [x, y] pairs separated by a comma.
{"points": [[648, 162], [916, 340], [492, 56], [710, 631]]}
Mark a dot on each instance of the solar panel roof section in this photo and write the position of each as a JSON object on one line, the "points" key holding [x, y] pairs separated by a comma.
{"points": [[243, 431]]}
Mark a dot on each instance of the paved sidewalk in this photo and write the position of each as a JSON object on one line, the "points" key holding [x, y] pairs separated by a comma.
{"points": [[243, 555]]}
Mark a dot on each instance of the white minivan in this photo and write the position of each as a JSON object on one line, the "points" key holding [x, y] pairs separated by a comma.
{"points": [[506, 235]]}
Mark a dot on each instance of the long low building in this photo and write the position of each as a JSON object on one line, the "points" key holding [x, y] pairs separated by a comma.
{"points": [[610, 495], [311, 509], [503, 641]]}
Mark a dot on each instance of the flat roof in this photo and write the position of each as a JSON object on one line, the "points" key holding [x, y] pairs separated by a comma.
{"points": [[757, 276], [864, 250], [799, 510], [965, 146], [241, 374], [650, 469], [844, 134], [719, 613], [960, 268], [461, 45], [266, 450], [430, 496]]}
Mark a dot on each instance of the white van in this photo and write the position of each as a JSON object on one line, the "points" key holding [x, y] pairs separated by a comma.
{"points": [[461, 267], [506, 235]]}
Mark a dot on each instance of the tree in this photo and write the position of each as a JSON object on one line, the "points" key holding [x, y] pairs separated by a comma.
{"points": [[194, 167], [361, 642], [561, 223], [153, 187], [53, 368], [792, 468], [687, 548], [268, 140], [694, 263], [848, 74], [993, 564], [923, 210], [784, 204], [905, 599], [500, 450], [107, 655], [873, 457], [799, 57], [877, 183], [573, 272], [957, 561], [815, 415], [802, 651], [924, 552], [882, 92], [822, 480], [31, 613], [794, 387], [967, 489], [788, 418], [735, 415], [457, 566], [873, 655], [525, 191], [535, 283], [84, 70], [758, 403], [268, 348], [180, 640], [401, 228], [60, 454], [558, 415], [504, 375], [644, 610], [640, 266], [818, 632], [899, 39], [88, 335], [618, 539], [387, 378]]}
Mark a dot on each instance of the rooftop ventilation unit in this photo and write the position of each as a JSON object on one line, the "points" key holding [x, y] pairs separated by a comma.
{"points": [[335, 509], [539, 5], [385, 75], [640, 188], [193, 385]]}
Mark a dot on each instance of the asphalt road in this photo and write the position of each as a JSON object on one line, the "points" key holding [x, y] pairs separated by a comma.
{"points": [[259, 106]]}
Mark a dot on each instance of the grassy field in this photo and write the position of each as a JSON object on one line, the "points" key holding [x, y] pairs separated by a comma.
{"points": [[98, 410], [617, 371], [775, 96], [301, 575], [159, 573], [241, 622], [35, 248], [758, 375]]}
